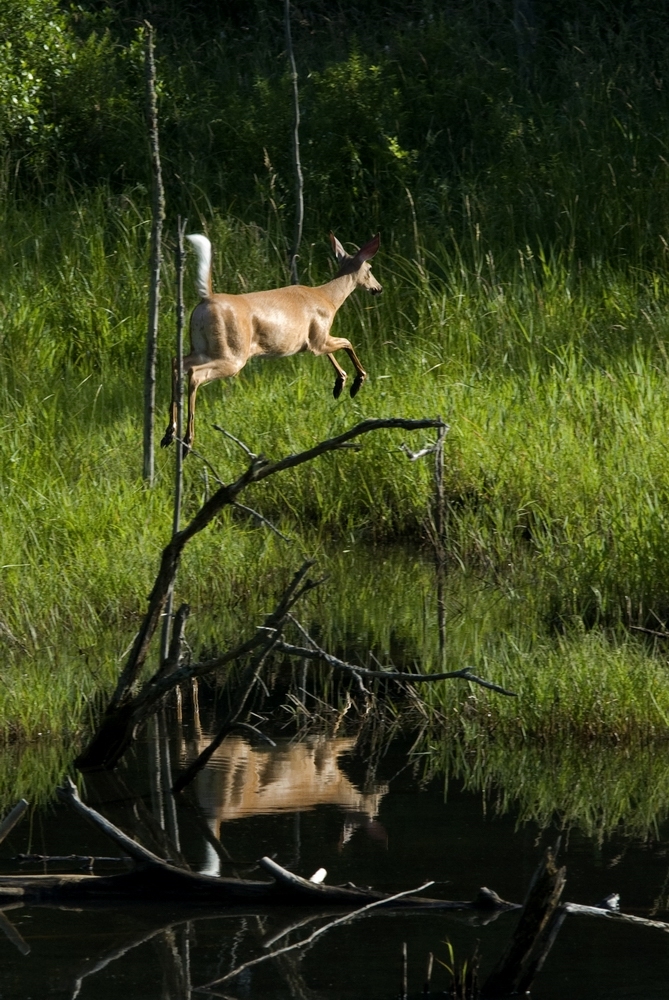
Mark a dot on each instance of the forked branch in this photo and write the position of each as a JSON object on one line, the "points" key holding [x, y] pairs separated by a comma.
{"points": [[259, 468]]}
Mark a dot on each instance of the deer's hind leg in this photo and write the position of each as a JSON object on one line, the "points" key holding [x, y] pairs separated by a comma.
{"points": [[361, 374], [198, 375], [171, 430]]}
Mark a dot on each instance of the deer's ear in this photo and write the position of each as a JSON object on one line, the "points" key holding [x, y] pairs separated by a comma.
{"points": [[369, 249], [337, 248]]}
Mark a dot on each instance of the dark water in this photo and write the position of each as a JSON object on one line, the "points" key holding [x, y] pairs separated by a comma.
{"points": [[374, 826]]}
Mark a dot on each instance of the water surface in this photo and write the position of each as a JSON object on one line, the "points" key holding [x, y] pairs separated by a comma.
{"points": [[366, 818]]}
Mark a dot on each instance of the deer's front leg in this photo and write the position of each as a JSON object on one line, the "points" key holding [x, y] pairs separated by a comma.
{"points": [[361, 373], [340, 380]]}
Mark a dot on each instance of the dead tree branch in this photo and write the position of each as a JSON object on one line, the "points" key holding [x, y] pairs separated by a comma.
{"points": [[227, 434], [14, 817], [297, 163], [117, 729], [539, 922], [120, 717]]}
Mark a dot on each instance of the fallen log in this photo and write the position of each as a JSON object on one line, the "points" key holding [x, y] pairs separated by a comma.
{"points": [[156, 880], [167, 884]]}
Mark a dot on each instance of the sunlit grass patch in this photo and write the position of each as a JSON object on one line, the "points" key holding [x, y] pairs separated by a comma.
{"points": [[553, 383]]}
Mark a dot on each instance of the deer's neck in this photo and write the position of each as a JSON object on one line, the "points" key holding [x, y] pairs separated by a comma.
{"points": [[339, 289]]}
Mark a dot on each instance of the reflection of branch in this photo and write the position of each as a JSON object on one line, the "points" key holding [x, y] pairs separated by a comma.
{"points": [[257, 732], [246, 686], [317, 653], [10, 931], [113, 956], [312, 937], [295, 926]]}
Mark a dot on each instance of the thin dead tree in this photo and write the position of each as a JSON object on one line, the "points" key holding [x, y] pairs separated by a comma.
{"points": [[297, 163], [158, 216], [440, 538], [178, 452], [436, 525]]}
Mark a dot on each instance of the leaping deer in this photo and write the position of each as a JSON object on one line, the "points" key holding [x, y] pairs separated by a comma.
{"points": [[227, 330]]}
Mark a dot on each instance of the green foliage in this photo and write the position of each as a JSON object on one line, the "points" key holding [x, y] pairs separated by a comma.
{"points": [[524, 223], [602, 789], [36, 55], [422, 116], [554, 384]]}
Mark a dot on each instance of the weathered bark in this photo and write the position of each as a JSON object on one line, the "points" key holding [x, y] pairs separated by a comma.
{"points": [[532, 938], [178, 399], [163, 883], [297, 163], [158, 217]]}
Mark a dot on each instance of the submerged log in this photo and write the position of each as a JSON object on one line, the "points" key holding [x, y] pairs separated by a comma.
{"points": [[165, 883]]}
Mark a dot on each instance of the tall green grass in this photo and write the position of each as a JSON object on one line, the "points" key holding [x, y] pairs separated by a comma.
{"points": [[554, 382]]}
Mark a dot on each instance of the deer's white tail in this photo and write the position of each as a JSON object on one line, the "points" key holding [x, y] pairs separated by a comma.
{"points": [[202, 248]]}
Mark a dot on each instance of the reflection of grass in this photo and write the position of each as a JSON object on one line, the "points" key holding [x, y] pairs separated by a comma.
{"points": [[32, 771], [601, 789]]}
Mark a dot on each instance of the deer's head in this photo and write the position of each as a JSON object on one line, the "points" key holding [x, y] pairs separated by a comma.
{"points": [[358, 264]]}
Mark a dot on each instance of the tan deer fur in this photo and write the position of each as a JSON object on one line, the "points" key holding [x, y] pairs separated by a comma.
{"points": [[227, 330]]}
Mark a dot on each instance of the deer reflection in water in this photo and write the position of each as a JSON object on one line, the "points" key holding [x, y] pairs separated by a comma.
{"points": [[241, 781]]}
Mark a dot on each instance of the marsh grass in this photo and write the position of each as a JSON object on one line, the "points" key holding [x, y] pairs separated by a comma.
{"points": [[552, 377]]}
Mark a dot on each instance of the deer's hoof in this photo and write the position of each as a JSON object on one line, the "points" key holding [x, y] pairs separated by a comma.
{"points": [[355, 388], [168, 438], [338, 386]]}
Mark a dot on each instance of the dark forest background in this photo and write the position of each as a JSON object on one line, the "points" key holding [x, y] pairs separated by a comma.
{"points": [[538, 124]]}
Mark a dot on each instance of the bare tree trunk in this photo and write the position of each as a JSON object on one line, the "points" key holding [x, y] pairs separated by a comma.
{"points": [[299, 180], [538, 924], [158, 215], [178, 451], [440, 541]]}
